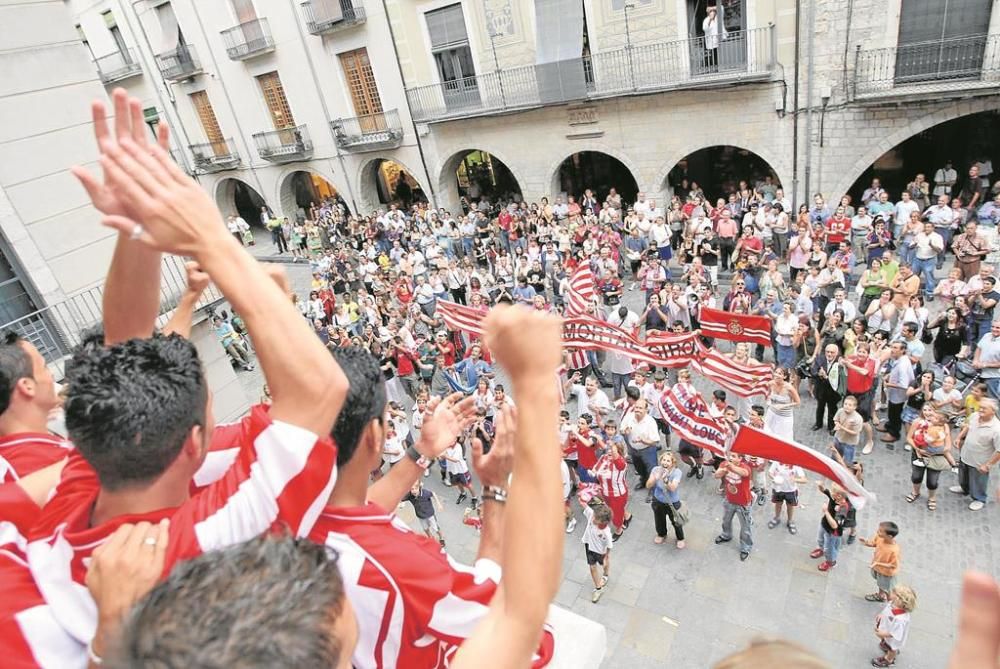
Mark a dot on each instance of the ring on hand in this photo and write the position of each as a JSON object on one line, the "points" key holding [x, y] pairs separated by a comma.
{"points": [[149, 541], [136, 232]]}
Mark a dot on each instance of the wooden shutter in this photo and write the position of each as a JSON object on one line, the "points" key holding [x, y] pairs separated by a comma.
{"points": [[209, 123], [364, 91], [277, 103]]}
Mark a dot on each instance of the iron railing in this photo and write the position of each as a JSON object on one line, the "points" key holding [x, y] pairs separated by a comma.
{"points": [[118, 66], [743, 56], [371, 131], [215, 156], [180, 63], [248, 39], [58, 328], [327, 16], [286, 145], [950, 63]]}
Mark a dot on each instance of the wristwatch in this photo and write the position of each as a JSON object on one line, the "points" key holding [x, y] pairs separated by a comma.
{"points": [[422, 461]]}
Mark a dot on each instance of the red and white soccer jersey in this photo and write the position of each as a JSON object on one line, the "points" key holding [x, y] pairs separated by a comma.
{"points": [[281, 477], [25, 452], [414, 604], [612, 475]]}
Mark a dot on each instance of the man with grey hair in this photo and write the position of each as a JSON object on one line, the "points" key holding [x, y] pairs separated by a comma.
{"points": [[979, 442]]}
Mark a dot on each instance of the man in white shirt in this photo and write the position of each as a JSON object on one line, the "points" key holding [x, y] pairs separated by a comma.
{"points": [[929, 245], [944, 179], [841, 303], [619, 363], [861, 225], [641, 205], [589, 398], [644, 440], [905, 207]]}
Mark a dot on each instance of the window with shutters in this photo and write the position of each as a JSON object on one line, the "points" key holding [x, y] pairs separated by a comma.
{"points": [[277, 103], [209, 123], [941, 39], [83, 38], [116, 33], [364, 91], [452, 55]]}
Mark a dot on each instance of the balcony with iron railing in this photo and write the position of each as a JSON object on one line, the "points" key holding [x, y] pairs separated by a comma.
{"points": [[744, 56], [248, 39], [329, 16], [371, 131], [284, 146], [58, 328], [118, 66], [179, 64], [960, 65], [215, 156]]}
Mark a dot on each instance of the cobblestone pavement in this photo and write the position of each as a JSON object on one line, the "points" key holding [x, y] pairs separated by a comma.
{"points": [[691, 607]]}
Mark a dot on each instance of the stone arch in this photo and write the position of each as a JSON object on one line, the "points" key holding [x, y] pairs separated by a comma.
{"points": [[773, 160], [870, 154], [235, 196], [447, 182], [368, 191], [286, 195], [554, 180]]}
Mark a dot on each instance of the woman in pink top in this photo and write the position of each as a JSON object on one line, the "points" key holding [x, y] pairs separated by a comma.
{"points": [[799, 249]]}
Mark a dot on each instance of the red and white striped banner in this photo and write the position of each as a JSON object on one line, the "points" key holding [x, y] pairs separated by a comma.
{"points": [[685, 411], [751, 441], [674, 350], [719, 324], [581, 298]]}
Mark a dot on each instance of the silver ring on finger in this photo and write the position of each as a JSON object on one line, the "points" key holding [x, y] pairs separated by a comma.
{"points": [[136, 232], [149, 541]]}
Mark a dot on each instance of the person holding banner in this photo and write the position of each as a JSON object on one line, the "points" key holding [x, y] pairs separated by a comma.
{"points": [[736, 473]]}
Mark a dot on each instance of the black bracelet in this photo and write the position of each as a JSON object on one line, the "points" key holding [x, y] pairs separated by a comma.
{"points": [[495, 493]]}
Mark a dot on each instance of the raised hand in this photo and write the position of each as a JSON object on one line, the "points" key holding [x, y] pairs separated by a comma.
{"points": [[524, 341], [170, 212], [494, 468], [197, 280], [129, 122], [444, 421]]}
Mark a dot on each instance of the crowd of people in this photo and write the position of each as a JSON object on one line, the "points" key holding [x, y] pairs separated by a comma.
{"points": [[150, 536]]}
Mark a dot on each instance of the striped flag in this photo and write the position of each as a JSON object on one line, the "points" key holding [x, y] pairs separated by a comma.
{"points": [[744, 380], [459, 318], [684, 409], [751, 441], [581, 297], [719, 324]]}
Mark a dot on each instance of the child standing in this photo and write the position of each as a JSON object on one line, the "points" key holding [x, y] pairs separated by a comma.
{"points": [[458, 473], [597, 542], [838, 515], [424, 501], [892, 625], [885, 561], [785, 491], [847, 426]]}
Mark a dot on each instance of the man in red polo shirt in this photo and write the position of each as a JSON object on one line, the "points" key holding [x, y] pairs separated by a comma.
{"points": [[736, 474], [27, 395], [861, 384], [837, 229]]}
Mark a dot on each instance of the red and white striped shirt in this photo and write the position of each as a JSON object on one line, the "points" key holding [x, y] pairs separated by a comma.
{"points": [[612, 475], [25, 452], [282, 476], [414, 604]]}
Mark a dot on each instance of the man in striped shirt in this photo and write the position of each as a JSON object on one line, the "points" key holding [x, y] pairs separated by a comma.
{"points": [[140, 413], [27, 395]]}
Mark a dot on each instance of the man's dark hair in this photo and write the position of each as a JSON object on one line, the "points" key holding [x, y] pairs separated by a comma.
{"points": [[131, 406], [270, 602], [632, 392], [365, 401], [14, 366], [911, 326]]}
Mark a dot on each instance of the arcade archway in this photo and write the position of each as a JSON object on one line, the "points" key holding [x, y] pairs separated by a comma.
{"points": [[718, 171], [597, 171]]}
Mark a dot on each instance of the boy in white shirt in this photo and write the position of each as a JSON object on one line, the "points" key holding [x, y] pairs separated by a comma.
{"points": [[458, 473], [892, 625], [597, 542], [785, 480]]}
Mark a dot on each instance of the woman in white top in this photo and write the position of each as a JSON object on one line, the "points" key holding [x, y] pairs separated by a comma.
{"points": [[714, 31]]}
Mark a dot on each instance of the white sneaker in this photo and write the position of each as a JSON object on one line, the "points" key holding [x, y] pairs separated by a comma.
{"points": [[907, 447], [604, 582], [919, 463], [596, 595], [570, 526], [957, 489], [869, 447], [427, 473], [976, 505]]}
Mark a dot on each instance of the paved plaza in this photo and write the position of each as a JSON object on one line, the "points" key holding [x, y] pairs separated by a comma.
{"points": [[691, 607]]}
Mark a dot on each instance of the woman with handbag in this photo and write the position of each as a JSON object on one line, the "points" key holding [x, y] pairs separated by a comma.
{"points": [[925, 466], [664, 481]]}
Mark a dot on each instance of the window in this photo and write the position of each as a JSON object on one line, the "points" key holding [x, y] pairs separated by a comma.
{"points": [[209, 123], [452, 56], [277, 103], [941, 39], [361, 82], [116, 34], [244, 10], [83, 38], [170, 30]]}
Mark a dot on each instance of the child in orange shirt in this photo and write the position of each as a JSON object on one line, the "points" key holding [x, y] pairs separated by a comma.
{"points": [[885, 561]]}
